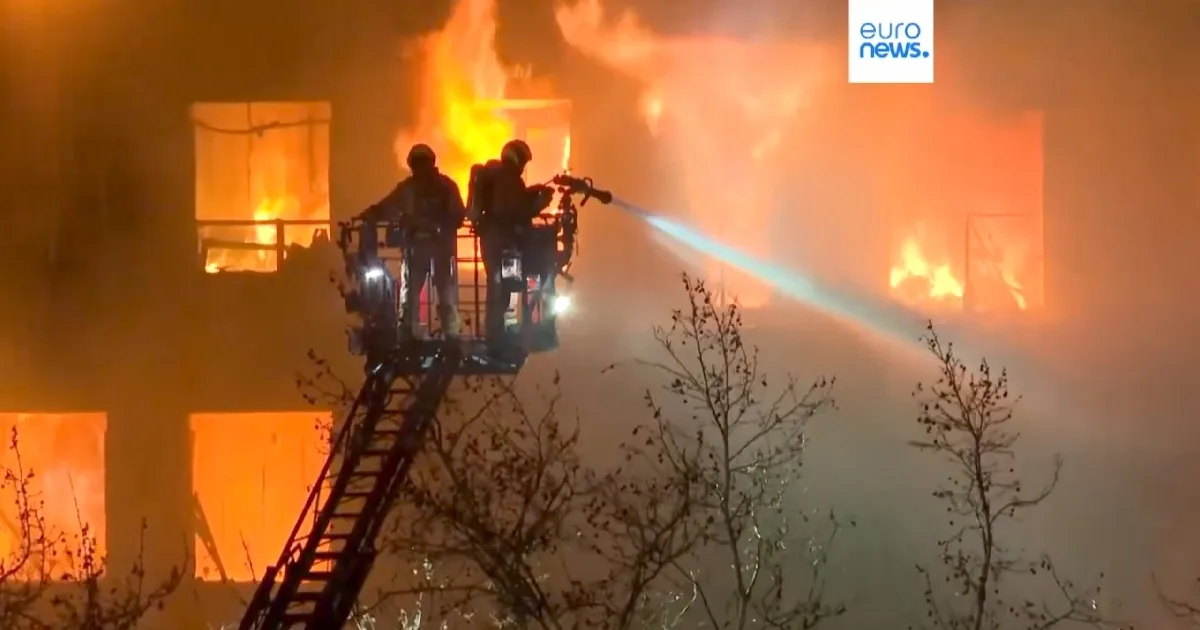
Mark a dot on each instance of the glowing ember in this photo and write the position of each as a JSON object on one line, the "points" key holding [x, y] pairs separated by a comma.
{"points": [[724, 105]]}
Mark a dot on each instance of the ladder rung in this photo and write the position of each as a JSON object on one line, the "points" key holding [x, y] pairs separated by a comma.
{"points": [[378, 434]]}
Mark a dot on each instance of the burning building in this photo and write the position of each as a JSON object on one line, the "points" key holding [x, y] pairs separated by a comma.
{"points": [[234, 158], [61, 463], [260, 169], [969, 237], [247, 133], [247, 495], [723, 107], [471, 104], [962, 200]]}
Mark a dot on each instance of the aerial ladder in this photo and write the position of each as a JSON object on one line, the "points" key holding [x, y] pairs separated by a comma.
{"points": [[332, 548]]}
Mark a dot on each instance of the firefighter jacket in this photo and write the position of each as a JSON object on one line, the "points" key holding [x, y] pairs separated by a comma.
{"points": [[428, 205], [501, 200]]}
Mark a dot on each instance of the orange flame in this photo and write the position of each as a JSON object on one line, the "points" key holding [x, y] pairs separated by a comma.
{"points": [[280, 173], [465, 114], [264, 234], [919, 278], [979, 187], [462, 93], [724, 105], [62, 463], [933, 281], [250, 488]]}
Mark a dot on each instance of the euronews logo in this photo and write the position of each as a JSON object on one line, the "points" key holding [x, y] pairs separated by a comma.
{"points": [[899, 40], [891, 41]]}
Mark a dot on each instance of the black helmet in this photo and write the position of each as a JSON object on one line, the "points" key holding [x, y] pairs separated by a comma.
{"points": [[421, 156], [516, 152]]}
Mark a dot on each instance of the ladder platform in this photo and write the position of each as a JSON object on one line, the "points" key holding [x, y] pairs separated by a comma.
{"points": [[478, 359]]}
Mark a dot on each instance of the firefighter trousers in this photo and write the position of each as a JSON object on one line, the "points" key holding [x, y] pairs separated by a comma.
{"points": [[493, 243], [425, 258]]}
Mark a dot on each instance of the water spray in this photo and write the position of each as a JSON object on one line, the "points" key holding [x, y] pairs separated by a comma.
{"points": [[893, 323], [878, 315]]}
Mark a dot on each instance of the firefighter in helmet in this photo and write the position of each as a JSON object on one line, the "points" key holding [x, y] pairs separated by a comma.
{"points": [[428, 208], [502, 208]]}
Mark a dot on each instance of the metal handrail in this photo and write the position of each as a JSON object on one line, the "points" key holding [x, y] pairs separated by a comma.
{"points": [[253, 222], [278, 245]]}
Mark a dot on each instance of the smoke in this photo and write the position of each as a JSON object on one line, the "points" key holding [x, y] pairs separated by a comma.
{"points": [[892, 322]]}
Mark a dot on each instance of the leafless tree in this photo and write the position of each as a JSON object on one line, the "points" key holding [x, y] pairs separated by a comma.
{"points": [[51, 580], [526, 534], [733, 441], [497, 508], [500, 505], [965, 416]]}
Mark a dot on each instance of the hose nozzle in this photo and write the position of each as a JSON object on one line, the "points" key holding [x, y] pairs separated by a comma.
{"points": [[583, 185]]}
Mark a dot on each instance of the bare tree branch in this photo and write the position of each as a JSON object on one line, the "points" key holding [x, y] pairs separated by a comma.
{"points": [[51, 580], [965, 416], [523, 533], [499, 505], [733, 456]]}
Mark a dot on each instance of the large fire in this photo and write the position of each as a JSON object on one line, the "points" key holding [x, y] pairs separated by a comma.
{"points": [[979, 245], [738, 111], [264, 163], [462, 86], [251, 474], [469, 107], [64, 453], [724, 106], [919, 278]]}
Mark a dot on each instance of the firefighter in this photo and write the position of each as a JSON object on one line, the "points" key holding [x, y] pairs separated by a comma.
{"points": [[502, 208], [428, 207]]}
